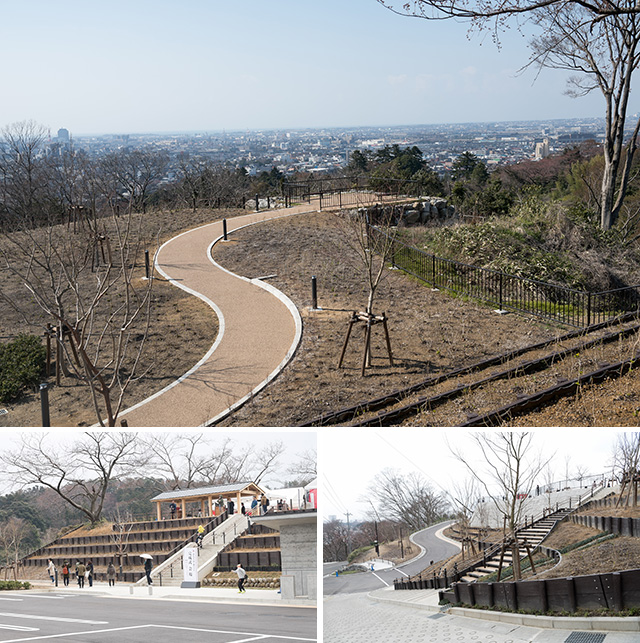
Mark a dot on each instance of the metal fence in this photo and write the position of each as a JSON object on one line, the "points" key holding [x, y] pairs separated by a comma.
{"points": [[509, 292]]}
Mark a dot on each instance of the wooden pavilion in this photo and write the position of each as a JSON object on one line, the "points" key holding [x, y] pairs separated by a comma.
{"points": [[207, 498]]}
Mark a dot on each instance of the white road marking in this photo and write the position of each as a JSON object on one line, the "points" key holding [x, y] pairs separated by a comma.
{"points": [[153, 625], [399, 570], [54, 598], [380, 579], [53, 618], [18, 628], [199, 629], [2, 598], [253, 638]]}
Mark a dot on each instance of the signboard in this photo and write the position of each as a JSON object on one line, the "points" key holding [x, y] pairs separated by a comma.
{"points": [[190, 566]]}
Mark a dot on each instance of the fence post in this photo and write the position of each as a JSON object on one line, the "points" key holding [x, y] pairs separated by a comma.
{"points": [[588, 309], [433, 270], [500, 306], [571, 595], [320, 196], [314, 293], [146, 263], [44, 404], [224, 229], [257, 203]]}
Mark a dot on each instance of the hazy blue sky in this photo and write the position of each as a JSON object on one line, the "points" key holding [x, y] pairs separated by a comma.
{"points": [[154, 65]]}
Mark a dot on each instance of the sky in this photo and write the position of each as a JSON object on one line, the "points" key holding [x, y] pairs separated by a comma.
{"points": [[295, 443], [137, 66], [351, 459]]}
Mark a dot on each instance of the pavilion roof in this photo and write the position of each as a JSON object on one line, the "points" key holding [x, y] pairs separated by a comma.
{"points": [[179, 494]]}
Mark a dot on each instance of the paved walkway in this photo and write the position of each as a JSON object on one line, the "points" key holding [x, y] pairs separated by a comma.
{"points": [[414, 617], [125, 590], [259, 330], [259, 327]]}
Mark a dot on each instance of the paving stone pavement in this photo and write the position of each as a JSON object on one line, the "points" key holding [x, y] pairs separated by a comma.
{"points": [[356, 619]]}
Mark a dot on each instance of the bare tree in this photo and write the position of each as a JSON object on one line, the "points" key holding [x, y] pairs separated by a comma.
{"points": [[597, 41], [79, 473], [407, 499], [85, 280], [306, 466], [626, 465], [497, 12], [465, 498], [12, 534], [23, 172], [602, 55], [181, 459], [506, 467]]}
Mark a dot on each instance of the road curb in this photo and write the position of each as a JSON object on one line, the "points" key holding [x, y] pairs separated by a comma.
{"points": [[595, 623]]}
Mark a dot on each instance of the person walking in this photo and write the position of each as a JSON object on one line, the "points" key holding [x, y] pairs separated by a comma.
{"points": [[111, 574], [65, 574], [264, 504], [148, 566], [200, 536], [89, 573], [172, 509], [51, 568], [230, 507], [242, 577], [243, 509], [80, 572]]}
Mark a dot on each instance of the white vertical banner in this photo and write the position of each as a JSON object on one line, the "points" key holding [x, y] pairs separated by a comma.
{"points": [[190, 566]]}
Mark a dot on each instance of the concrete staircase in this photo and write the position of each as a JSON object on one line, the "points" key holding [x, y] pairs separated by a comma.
{"points": [[532, 535], [170, 574]]}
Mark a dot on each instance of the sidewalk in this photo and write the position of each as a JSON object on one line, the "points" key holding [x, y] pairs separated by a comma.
{"points": [[548, 628], [155, 592]]}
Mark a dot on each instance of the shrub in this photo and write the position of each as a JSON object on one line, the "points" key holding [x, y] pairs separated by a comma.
{"points": [[22, 363], [13, 584]]}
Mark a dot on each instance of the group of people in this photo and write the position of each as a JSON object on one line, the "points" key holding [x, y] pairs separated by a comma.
{"points": [[259, 506], [84, 573]]}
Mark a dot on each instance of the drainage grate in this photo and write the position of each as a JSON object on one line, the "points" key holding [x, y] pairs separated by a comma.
{"points": [[436, 616], [585, 637]]}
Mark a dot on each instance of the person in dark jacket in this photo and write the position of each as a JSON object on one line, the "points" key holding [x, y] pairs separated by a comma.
{"points": [[148, 566]]}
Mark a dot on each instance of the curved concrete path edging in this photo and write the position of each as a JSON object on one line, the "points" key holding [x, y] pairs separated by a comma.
{"points": [[157, 409], [295, 313]]}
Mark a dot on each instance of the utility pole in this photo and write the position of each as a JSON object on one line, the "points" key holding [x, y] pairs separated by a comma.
{"points": [[377, 539], [348, 534], [401, 545]]}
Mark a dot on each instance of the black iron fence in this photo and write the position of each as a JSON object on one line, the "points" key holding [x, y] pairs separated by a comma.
{"points": [[509, 292]]}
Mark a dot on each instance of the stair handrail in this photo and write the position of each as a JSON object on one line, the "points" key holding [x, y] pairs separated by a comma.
{"points": [[177, 550]]}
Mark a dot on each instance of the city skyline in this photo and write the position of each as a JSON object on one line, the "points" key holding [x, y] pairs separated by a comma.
{"points": [[149, 67]]}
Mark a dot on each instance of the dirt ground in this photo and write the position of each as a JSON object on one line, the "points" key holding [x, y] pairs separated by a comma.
{"points": [[431, 332], [182, 329], [391, 551]]}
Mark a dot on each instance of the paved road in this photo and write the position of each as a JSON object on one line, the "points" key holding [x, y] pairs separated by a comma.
{"points": [[60, 616], [435, 549]]}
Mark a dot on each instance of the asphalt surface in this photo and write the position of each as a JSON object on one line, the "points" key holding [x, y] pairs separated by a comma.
{"points": [[435, 549], [71, 616]]}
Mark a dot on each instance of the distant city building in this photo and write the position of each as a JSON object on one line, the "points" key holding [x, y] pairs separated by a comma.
{"points": [[63, 135], [542, 150]]}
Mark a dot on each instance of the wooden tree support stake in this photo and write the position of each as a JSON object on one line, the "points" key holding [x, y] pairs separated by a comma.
{"points": [[370, 320]]}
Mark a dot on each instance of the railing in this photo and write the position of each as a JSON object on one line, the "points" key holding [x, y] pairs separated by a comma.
{"points": [[508, 292]]}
